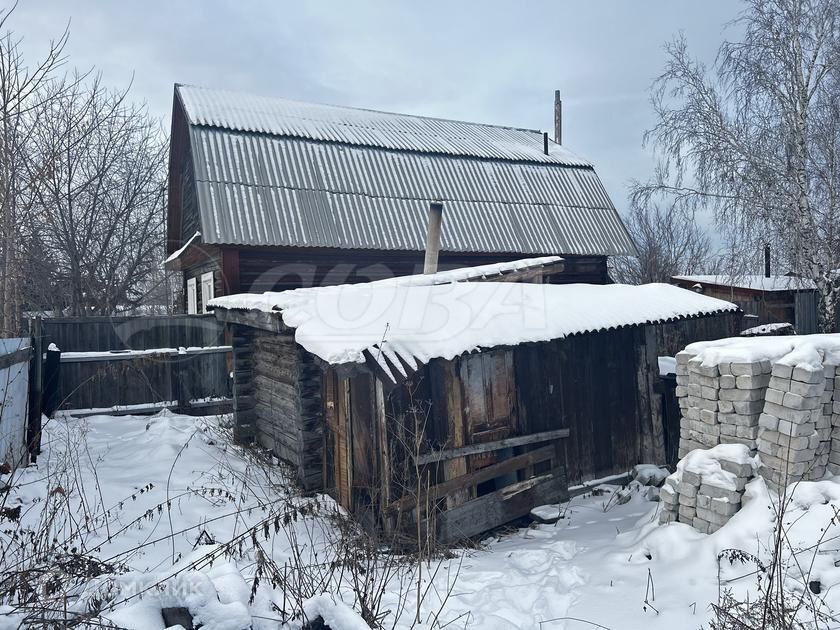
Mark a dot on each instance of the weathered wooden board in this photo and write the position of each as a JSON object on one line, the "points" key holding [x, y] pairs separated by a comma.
{"points": [[488, 473], [487, 447], [500, 507]]}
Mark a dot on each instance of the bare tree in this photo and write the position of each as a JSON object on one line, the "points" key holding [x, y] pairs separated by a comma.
{"points": [[754, 138], [21, 95], [668, 243], [99, 205]]}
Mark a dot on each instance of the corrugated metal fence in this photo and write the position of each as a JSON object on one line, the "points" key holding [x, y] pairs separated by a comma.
{"points": [[15, 355]]}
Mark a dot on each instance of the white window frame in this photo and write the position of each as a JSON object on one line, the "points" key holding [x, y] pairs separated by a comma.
{"points": [[208, 289], [192, 297]]}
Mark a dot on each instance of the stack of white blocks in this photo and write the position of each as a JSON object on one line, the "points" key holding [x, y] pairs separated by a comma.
{"points": [[720, 404], [787, 414], [702, 496], [795, 438]]}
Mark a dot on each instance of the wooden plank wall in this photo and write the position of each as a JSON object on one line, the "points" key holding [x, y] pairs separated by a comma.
{"points": [[675, 336], [281, 268], [288, 405], [587, 384], [96, 334], [101, 384]]}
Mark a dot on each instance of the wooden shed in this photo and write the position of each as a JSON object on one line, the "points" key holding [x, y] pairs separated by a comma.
{"points": [[766, 299], [453, 400]]}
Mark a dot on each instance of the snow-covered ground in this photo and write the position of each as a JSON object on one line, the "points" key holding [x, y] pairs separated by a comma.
{"points": [[604, 564]]}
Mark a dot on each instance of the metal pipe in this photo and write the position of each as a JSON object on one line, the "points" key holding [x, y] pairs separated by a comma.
{"points": [[430, 264], [545, 143], [558, 118], [767, 261]]}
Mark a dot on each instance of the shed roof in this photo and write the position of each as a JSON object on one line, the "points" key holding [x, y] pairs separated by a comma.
{"points": [[752, 282], [416, 319], [274, 172]]}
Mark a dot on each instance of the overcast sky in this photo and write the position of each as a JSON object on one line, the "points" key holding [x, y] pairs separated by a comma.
{"points": [[484, 61]]}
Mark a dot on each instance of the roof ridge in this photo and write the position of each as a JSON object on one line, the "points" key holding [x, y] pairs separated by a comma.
{"points": [[354, 108]]}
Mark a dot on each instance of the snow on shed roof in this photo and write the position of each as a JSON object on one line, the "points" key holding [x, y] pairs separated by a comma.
{"points": [[365, 127], [412, 321], [755, 282]]}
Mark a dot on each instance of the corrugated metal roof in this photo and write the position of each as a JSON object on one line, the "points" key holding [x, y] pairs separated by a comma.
{"points": [[261, 180], [263, 190], [364, 127]]}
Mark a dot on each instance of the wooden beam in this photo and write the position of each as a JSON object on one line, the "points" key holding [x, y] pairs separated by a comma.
{"points": [[500, 507], [18, 356], [487, 447], [455, 467], [481, 475], [526, 273], [272, 322]]}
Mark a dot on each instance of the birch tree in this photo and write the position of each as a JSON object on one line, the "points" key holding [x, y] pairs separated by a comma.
{"points": [[754, 137]]}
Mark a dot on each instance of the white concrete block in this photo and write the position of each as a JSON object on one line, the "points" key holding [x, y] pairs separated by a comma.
{"points": [[753, 381]]}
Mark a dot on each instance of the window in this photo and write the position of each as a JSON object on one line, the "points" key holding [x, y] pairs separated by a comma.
{"points": [[192, 302], [207, 290]]}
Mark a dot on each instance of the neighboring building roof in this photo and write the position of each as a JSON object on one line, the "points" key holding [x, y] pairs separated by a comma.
{"points": [[413, 320], [274, 172], [753, 282]]}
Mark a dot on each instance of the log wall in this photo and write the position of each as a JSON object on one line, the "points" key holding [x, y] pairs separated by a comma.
{"points": [[287, 405]]}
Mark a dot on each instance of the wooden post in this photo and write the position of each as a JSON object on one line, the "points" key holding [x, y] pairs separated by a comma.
{"points": [[52, 370], [558, 118], [430, 264], [36, 380], [244, 404], [455, 467]]}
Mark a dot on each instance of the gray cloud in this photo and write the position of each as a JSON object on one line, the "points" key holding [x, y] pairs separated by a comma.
{"points": [[488, 61]]}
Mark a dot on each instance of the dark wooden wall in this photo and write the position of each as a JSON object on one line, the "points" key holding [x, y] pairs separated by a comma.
{"points": [[142, 380], [287, 404], [257, 270], [88, 334], [673, 337], [589, 385]]}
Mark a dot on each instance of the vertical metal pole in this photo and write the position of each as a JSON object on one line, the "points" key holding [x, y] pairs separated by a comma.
{"points": [[430, 264]]}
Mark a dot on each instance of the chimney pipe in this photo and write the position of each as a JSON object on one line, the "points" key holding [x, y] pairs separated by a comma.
{"points": [[545, 143], [558, 118], [766, 260], [430, 264]]}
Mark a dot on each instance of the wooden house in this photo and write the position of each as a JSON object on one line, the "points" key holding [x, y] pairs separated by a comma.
{"points": [[765, 299], [457, 398], [268, 194]]}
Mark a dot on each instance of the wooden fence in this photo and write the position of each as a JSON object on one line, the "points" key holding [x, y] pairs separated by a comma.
{"points": [[139, 364], [15, 356]]}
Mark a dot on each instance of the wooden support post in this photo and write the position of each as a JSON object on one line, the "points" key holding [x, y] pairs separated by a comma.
{"points": [[36, 380], [455, 467], [652, 435], [244, 404], [52, 371]]}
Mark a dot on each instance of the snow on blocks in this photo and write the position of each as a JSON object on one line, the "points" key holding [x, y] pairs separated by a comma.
{"points": [[774, 395], [706, 489]]}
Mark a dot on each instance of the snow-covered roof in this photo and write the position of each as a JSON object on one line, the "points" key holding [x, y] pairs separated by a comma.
{"points": [[365, 127], [755, 282], [414, 320]]}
